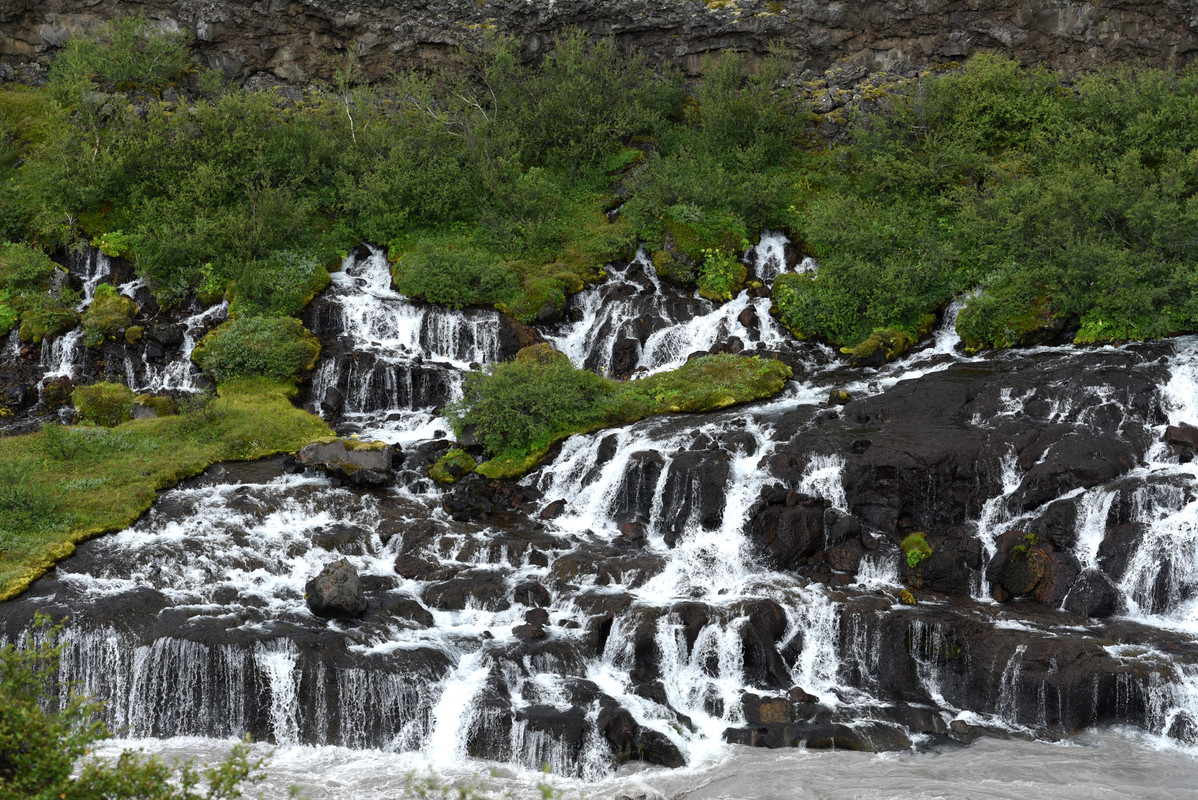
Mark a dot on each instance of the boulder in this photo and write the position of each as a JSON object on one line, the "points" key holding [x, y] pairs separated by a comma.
{"points": [[336, 592], [350, 462], [1093, 595], [1183, 435]]}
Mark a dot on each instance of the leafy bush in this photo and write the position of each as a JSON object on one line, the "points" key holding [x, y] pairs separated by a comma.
{"points": [[517, 405], [915, 549], [8, 319], [280, 285], [456, 277], [103, 403], [124, 53], [273, 347], [108, 315], [721, 275], [24, 268]]}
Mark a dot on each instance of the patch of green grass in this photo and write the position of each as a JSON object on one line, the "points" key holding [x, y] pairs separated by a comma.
{"points": [[63, 485]]}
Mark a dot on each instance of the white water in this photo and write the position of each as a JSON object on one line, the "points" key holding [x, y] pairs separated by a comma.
{"points": [[240, 556]]}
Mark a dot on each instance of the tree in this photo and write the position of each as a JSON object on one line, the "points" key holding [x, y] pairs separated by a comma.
{"points": [[44, 734]]}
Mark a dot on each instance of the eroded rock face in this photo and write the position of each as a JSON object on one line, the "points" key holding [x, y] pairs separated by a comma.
{"points": [[292, 43], [357, 464]]}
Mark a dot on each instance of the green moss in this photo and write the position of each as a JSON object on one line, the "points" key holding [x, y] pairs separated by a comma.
{"points": [[915, 549], [108, 315], [134, 334], [45, 316], [455, 464], [107, 404], [162, 405], [108, 477], [881, 346]]}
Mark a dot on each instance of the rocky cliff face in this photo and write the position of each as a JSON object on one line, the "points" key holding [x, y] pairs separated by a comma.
{"points": [[298, 40]]}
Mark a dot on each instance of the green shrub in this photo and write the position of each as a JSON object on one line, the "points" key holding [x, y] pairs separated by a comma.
{"points": [[62, 442], [8, 319], [108, 315], [280, 285], [454, 276], [106, 404], [517, 405], [721, 275], [124, 53], [24, 268], [915, 549], [272, 347]]}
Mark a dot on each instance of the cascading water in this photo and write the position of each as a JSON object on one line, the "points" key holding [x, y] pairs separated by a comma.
{"points": [[666, 630]]}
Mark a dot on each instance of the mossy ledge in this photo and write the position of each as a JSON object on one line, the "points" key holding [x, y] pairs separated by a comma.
{"points": [[64, 485], [496, 396]]}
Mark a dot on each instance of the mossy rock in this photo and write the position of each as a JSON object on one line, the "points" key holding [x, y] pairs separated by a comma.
{"points": [[46, 319], [134, 334], [154, 406], [880, 347], [673, 269], [108, 316], [987, 322], [106, 404], [455, 464], [915, 549]]}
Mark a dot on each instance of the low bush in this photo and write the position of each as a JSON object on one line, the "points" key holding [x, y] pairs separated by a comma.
{"points": [[45, 316], [130, 52], [279, 285], [106, 404], [273, 347], [915, 549], [454, 276]]}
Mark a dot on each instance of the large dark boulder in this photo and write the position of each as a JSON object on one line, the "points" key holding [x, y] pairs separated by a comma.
{"points": [[789, 532], [336, 591], [1093, 595]]}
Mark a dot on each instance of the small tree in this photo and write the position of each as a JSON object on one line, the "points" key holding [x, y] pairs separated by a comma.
{"points": [[40, 747]]}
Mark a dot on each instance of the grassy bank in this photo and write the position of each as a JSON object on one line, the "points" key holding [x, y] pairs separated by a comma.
{"points": [[519, 409], [66, 484]]}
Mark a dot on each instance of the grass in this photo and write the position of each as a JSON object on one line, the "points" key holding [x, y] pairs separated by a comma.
{"points": [[708, 383], [62, 486]]}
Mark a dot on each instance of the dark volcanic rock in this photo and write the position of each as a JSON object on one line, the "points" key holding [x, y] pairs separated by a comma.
{"points": [[1093, 595], [336, 591]]}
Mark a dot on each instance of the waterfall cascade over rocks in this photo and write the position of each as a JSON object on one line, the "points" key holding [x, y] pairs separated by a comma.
{"points": [[657, 591]]}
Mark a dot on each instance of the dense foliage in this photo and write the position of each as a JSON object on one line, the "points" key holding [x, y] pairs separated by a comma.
{"points": [[45, 735], [1063, 208], [1060, 207], [244, 347]]}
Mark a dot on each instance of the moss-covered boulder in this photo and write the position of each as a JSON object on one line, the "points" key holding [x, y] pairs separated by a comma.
{"points": [[146, 406], [106, 404], [46, 317], [349, 461], [456, 463], [879, 347], [272, 347], [108, 316]]}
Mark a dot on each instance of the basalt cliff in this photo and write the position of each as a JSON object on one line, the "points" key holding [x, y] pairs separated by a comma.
{"points": [[303, 40]]}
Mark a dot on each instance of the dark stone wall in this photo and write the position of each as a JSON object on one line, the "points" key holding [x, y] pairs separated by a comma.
{"points": [[295, 41]]}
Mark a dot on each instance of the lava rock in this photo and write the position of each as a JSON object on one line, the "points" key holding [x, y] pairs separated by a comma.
{"points": [[336, 592], [1093, 595]]}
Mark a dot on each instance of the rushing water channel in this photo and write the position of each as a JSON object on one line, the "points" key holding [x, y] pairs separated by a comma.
{"points": [[672, 623]]}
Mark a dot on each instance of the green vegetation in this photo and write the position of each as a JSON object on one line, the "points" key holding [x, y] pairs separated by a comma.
{"points": [[915, 549], [274, 347], [1071, 206], [66, 484], [46, 733], [106, 404], [451, 466], [518, 409], [109, 314]]}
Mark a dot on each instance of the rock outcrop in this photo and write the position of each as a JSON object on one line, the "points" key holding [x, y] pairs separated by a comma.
{"points": [[297, 42]]}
